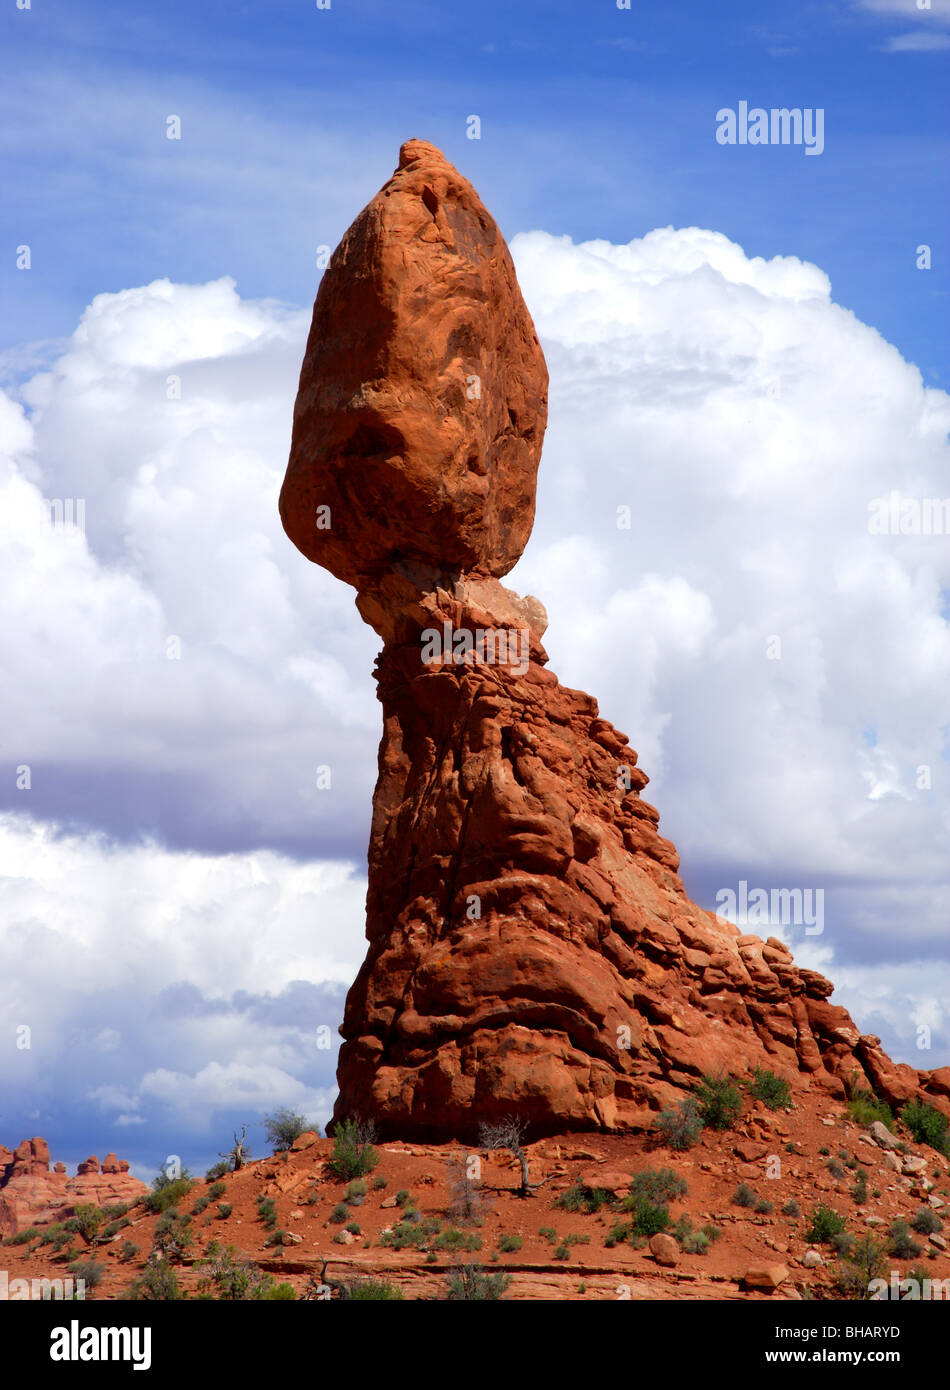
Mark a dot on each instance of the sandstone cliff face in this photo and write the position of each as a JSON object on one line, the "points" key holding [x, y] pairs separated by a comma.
{"points": [[532, 949]]}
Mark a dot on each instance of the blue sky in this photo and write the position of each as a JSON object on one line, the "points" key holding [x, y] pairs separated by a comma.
{"points": [[180, 909], [596, 122]]}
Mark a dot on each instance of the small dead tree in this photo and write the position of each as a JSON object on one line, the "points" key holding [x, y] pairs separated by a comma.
{"points": [[508, 1135], [240, 1153]]}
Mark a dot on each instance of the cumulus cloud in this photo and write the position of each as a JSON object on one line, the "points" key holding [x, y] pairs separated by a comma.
{"points": [[179, 993], [182, 903]]}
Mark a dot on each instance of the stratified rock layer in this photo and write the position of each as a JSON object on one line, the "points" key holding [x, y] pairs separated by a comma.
{"points": [[532, 949]]}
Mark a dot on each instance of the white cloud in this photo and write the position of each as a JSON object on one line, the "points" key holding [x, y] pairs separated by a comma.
{"points": [[919, 41]]}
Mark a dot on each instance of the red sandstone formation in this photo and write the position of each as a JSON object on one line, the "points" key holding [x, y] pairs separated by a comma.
{"points": [[32, 1195], [532, 949]]}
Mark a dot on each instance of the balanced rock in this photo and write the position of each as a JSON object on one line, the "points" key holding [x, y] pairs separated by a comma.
{"points": [[423, 392], [532, 950]]}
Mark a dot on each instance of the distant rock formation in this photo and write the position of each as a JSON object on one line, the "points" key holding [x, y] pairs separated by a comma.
{"points": [[32, 1195], [532, 950]]}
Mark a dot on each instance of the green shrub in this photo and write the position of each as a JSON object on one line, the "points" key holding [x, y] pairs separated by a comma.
{"points": [[744, 1196], [267, 1212], [279, 1293], [508, 1244], [864, 1107], [764, 1208], [168, 1192], [231, 1277], [411, 1235], [836, 1169], [339, 1214], [355, 1193], [901, 1244], [468, 1283], [917, 1275], [85, 1221], [371, 1291], [353, 1153], [680, 1128], [791, 1208], [402, 1197], [283, 1127], [926, 1222], [173, 1234], [90, 1271], [928, 1125], [859, 1191], [354, 1228], [719, 1101], [216, 1190], [656, 1185], [585, 1199], [825, 1223], [200, 1206], [23, 1237], [866, 1261], [649, 1218], [454, 1240], [770, 1089], [218, 1170], [842, 1243], [128, 1251], [157, 1283], [224, 1210], [379, 1182]]}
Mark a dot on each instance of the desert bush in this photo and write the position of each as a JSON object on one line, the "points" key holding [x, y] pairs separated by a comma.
{"points": [[158, 1282], [859, 1190], [224, 1210], [91, 1271], [216, 1190], [681, 1126], [864, 1107], [926, 1222], [128, 1251], [508, 1244], [267, 1212], [468, 1283], [579, 1198], [353, 1153], [168, 1192], [927, 1124], [825, 1223], [791, 1208], [231, 1277], [656, 1185], [339, 1214], [23, 1237], [900, 1243], [719, 1101], [770, 1089], [217, 1170], [371, 1291], [744, 1196], [173, 1235], [85, 1221], [866, 1260]]}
